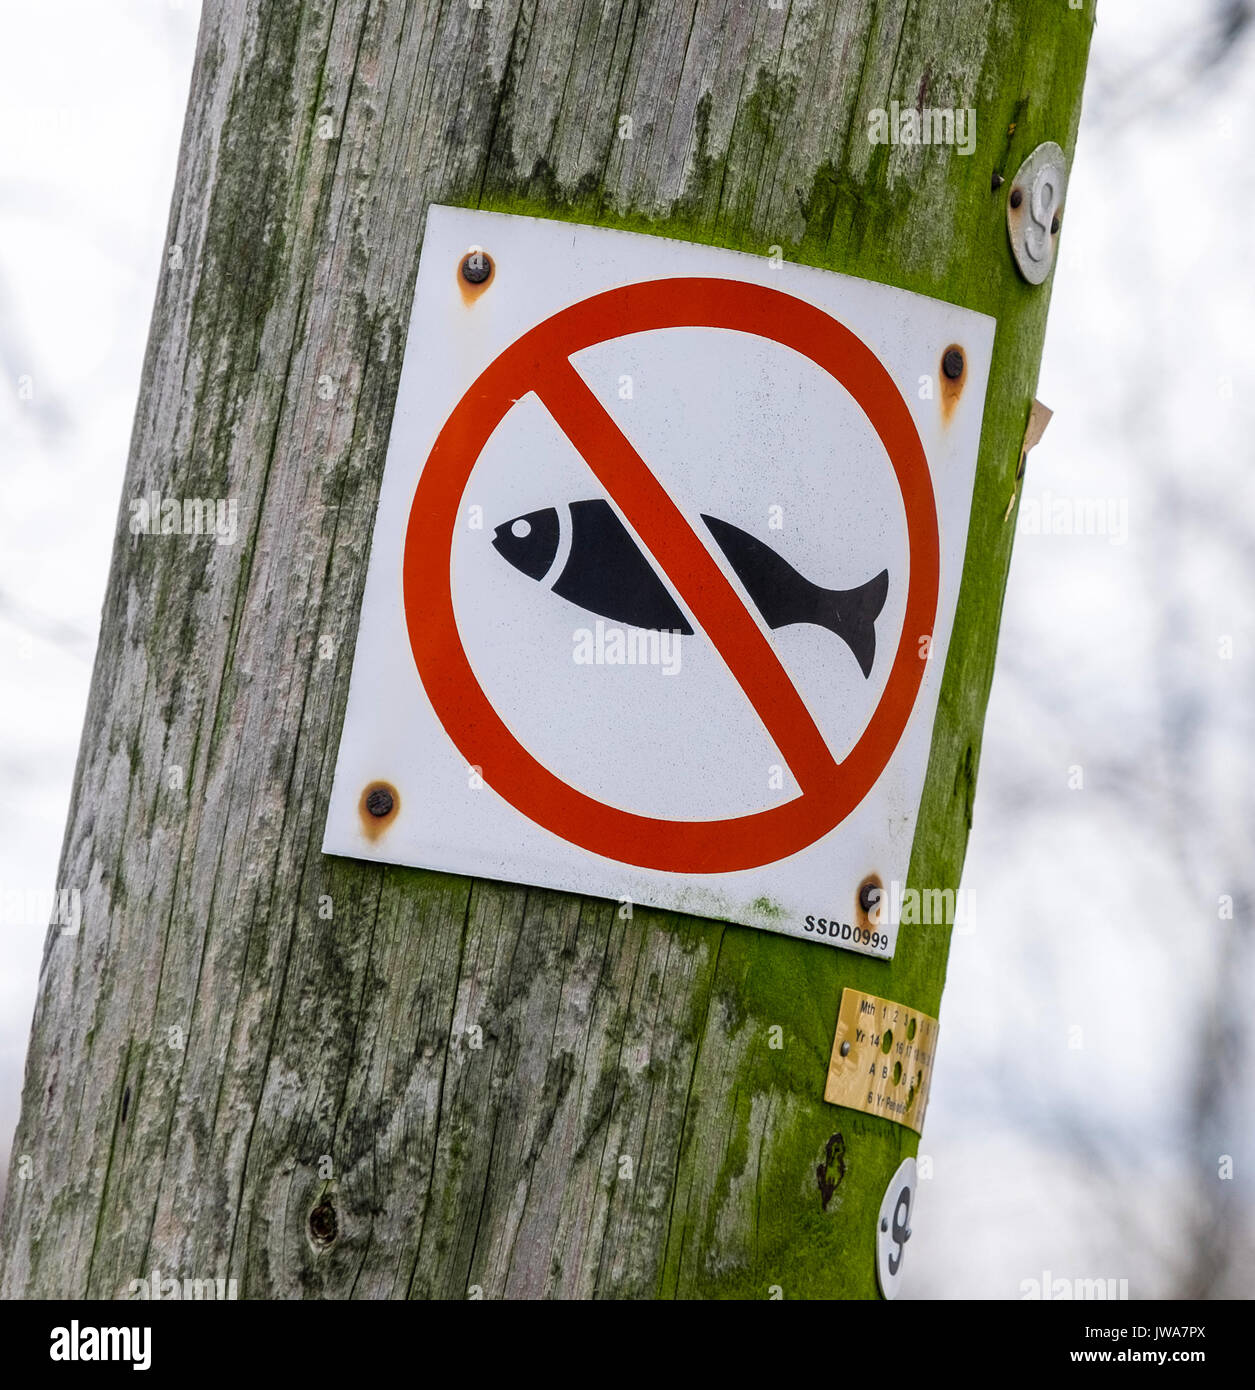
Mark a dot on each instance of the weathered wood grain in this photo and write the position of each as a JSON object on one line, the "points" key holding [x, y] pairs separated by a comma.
{"points": [[223, 1081]]}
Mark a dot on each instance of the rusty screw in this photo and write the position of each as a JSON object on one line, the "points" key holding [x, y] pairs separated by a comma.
{"points": [[869, 897], [1054, 223], [476, 267], [379, 802], [1017, 197], [952, 364]]}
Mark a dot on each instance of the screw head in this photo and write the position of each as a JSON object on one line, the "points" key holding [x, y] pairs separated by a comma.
{"points": [[952, 364], [1017, 197], [379, 802], [869, 897], [884, 1223], [1054, 223], [476, 267], [845, 1049]]}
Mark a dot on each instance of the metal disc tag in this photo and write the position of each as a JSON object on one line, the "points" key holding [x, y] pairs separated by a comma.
{"points": [[1033, 207], [893, 1227]]}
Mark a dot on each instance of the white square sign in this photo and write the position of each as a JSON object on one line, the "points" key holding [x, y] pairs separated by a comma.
{"points": [[663, 576]]}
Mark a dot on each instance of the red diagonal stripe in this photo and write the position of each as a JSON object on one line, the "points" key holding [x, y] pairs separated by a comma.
{"points": [[690, 568]]}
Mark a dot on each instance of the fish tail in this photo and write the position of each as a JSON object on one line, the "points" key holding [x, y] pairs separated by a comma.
{"points": [[852, 614]]}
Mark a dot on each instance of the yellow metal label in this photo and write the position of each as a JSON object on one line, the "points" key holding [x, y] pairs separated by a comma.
{"points": [[882, 1059]]}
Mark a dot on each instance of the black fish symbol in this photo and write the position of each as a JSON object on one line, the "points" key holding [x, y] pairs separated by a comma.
{"points": [[607, 574]]}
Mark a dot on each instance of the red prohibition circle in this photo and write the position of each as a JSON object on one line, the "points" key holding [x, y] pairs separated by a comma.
{"points": [[539, 362]]}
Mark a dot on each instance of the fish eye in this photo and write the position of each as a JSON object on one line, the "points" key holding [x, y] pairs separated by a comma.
{"points": [[521, 529]]}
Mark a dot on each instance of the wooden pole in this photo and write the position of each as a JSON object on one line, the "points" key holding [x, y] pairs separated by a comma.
{"points": [[253, 1062]]}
